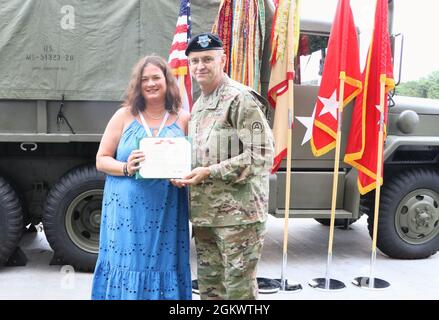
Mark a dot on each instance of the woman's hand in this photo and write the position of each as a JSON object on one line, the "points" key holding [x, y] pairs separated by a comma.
{"points": [[134, 160]]}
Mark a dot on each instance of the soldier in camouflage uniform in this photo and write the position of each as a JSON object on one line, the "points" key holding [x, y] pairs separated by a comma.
{"points": [[233, 154]]}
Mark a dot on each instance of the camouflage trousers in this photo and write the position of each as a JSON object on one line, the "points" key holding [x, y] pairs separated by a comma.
{"points": [[227, 258]]}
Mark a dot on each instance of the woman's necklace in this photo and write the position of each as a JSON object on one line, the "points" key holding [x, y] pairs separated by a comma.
{"points": [[155, 117]]}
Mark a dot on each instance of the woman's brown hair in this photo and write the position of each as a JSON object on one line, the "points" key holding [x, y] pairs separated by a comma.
{"points": [[134, 98]]}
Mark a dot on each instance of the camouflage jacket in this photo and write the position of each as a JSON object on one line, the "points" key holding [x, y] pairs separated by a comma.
{"points": [[231, 135]]}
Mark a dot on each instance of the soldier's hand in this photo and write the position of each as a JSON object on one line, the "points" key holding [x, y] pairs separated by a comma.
{"points": [[177, 183], [196, 176]]}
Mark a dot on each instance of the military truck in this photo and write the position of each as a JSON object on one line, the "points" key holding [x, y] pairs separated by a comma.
{"points": [[65, 66]]}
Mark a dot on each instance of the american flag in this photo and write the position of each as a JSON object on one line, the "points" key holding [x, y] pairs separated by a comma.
{"points": [[178, 61]]}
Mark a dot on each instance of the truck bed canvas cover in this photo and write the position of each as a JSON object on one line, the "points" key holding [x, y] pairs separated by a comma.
{"points": [[84, 50]]}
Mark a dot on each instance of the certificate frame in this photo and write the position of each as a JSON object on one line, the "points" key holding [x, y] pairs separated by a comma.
{"points": [[165, 158]]}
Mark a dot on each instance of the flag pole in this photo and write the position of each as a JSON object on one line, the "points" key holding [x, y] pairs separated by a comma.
{"points": [[328, 284], [292, 16], [284, 285], [371, 282]]}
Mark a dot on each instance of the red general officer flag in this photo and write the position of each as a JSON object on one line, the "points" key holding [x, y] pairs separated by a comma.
{"points": [[362, 149], [342, 61]]}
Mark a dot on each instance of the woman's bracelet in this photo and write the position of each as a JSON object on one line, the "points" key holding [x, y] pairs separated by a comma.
{"points": [[125, 170]]}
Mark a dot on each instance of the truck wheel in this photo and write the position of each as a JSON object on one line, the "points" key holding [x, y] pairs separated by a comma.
{"points": [[11, 220], [408, 221], [337, 222], [72, 217]]}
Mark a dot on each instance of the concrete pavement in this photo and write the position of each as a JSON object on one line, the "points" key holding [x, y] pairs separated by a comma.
{"points": [[307, 253]]}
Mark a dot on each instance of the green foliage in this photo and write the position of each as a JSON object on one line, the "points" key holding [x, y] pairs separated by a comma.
{"points": [[424, 88], [411, 89]]}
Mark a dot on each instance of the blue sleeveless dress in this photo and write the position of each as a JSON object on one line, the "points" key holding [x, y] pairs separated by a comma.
{"points": [[144, 236]]}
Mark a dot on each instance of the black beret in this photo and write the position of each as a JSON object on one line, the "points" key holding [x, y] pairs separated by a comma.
{"points": [[204, 41]]}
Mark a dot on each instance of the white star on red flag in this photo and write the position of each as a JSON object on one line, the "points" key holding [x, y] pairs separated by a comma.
{"points": [[308, 122], [330, 105]]}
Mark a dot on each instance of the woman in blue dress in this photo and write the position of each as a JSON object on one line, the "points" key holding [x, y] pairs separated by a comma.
{"points": [[144, 236]]}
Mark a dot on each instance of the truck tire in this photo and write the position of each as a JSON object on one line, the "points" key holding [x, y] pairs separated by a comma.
{"points": [[11, 220], [71, 218], [337, 222], [408, 220]]}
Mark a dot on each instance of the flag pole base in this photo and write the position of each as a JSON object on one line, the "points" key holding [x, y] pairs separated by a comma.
{"points": [[320, 284], [289, 287], [363, 282], [267, 286]]}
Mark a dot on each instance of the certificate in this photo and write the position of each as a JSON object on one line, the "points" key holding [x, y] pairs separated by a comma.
{"points": [[165, 158]]}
